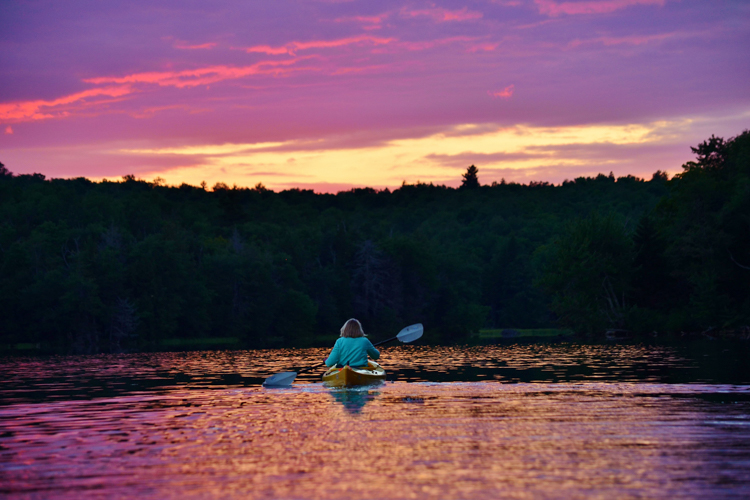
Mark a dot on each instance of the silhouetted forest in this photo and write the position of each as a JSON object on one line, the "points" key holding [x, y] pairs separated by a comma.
{"points": [[112, 266]]}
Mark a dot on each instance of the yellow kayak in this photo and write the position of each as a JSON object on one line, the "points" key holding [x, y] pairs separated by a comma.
{"points": [[348, 376]]}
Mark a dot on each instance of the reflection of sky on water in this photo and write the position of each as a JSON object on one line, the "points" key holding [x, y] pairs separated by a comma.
{"points": [[401, 440], [513, 421], [66, 377]]}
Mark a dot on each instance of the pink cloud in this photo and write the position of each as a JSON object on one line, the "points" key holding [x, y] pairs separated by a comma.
{"points": [[370, 22], [365, 19], [120, 86], [438, 14], [292, 47], [484, 47], [506, 93], [199, 76], [267, 49], [59, 108], [343, 41], [555, 8], [413, 46], [42, 110], [9, 130], [203, 46]]}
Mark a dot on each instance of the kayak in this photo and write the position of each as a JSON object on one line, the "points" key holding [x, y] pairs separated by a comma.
{"points": [[348, 376]]}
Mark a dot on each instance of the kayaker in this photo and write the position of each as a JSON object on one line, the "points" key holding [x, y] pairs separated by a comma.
{"points": [[352, 347]]}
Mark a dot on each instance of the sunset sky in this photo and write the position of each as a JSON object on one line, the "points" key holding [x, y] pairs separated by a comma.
{"points": [[327, 95]]}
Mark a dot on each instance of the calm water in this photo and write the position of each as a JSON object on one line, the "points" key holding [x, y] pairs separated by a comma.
{"points": [[506, 421]]}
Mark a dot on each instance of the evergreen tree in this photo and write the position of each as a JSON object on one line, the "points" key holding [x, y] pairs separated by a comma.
{"points": [[471, 181]]}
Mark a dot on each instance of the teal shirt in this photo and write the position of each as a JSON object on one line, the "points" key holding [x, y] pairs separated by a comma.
{"points": [[352, 352]]}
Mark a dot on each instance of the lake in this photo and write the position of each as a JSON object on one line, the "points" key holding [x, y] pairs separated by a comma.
{"points": [[546, 420]]}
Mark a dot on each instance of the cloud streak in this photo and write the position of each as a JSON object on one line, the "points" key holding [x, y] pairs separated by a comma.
{"points": [[368, 22], [199, 76], [554, 8], [202, 46], [442, 15], [292, 48], [63, 106], [506, 93]]}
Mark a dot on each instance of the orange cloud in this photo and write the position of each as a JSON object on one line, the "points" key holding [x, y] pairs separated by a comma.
{"points": [[9, 130], [42, 110], [292, 47], [554, 8], [440, 15], [199, 76], [506, 93]]}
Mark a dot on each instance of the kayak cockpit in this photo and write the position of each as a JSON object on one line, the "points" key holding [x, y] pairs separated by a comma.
{"points": [[352, 376]]}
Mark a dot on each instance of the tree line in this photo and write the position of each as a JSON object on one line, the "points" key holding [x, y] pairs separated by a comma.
{"points": [[110, 266], [683, 268]]}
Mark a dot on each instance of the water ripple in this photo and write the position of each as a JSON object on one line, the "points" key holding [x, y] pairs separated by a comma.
{"points": [[513, 421], [398, 440]]}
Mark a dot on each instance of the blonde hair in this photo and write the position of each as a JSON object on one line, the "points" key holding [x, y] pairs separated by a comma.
{"points": [[352, 328]]}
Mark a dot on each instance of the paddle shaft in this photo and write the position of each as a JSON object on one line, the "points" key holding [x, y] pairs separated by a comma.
{"points": [[385, 341], [374, 345]]}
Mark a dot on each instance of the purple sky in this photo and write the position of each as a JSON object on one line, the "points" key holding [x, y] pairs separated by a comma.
{"points": [[332, 94]]}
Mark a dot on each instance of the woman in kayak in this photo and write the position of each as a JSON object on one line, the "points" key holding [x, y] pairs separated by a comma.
{"points": [[352, 347]]}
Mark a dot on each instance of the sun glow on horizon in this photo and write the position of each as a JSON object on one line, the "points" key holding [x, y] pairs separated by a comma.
{"points": [[516, 153]]}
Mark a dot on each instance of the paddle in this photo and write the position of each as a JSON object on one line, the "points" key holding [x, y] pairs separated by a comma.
{"points": [[285, 379]]}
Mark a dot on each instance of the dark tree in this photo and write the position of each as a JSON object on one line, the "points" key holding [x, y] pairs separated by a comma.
{"points": [[659, 176], [711, 154], [4, 172], [471, 181]]}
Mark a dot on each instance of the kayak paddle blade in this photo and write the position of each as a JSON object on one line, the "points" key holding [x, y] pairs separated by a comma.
{"points": [[284, 379], [411, 333]]}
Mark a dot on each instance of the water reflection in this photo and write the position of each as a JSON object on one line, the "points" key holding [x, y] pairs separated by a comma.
{"points": [[409, 440], [354, 399], [70, 377], [505, 421]]}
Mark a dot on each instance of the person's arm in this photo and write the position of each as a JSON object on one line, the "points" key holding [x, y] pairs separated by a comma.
{"points": [[374, 353], [333, 359]]}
